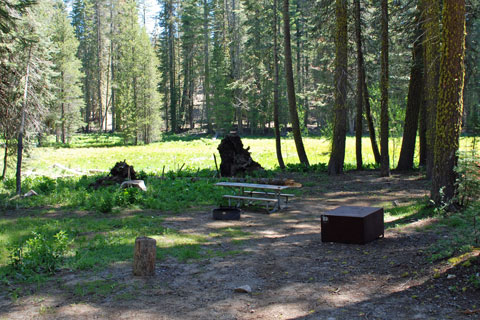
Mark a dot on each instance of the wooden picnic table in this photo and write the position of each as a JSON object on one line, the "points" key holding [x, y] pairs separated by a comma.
{"points": [[246, 191]]}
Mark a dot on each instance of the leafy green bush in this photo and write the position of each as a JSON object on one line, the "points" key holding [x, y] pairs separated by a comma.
{"points": [[300, 167], [104, 202], [468, 178], [9, 184], [44, 184], [40, 253], [127, 197]]}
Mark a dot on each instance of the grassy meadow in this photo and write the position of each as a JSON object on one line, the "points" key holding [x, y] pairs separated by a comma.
{"points": [[103, 151], [101, 224]]}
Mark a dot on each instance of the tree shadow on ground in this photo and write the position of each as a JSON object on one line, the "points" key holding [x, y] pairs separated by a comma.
{"points": [[281, 257]]}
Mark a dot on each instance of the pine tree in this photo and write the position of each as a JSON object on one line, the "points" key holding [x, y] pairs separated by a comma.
{"points": [[290, 87], [384, 85], [432, 49], [414, 102], [450, 101], [66, 105], [337, 157]]}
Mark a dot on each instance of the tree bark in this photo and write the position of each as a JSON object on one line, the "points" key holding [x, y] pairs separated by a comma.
{"points": [[206, 83], [337, 157], [292, 104], [360, 76], [112, 65], [144, 257], [276, 121], [99, 64], [5, 160], [432, 46], [22, 127], [171, 67], [368, 113], [422, 130], [62, 111], [450, 101], [415, 100], [385, 159]]}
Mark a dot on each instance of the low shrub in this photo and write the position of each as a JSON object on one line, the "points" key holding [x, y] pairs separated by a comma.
{"points": [[40, 254]]}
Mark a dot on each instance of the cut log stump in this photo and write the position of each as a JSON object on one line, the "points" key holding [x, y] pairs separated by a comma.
{"points": [[144, 257]]}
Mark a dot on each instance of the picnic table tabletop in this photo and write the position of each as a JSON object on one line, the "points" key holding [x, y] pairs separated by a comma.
{"points": [[251, 185]]}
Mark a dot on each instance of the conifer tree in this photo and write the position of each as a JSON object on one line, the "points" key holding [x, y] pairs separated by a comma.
{"points": [[66, 105], [450, 101], [337, 157]]}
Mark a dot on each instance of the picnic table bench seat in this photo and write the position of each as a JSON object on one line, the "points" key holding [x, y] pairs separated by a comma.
{"points": [[246, 192], [250, 199]]}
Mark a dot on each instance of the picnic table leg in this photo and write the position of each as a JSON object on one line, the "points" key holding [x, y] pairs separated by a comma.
{"points": [[279, 200]]}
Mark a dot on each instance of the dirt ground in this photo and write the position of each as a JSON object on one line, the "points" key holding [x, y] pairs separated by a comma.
{"points": [[292, 273]]}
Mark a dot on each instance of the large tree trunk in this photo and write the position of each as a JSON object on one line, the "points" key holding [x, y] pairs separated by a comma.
{"points": [[22, 128], [206, 83], [171, 67], [5, 160], [415, 99], [385, 159], [276, 121], [190, 99], [368, 113], [450, 101], [360, 76], [432, 46], [62, 109], [337, 157], [112, 65], [99, 64], [422, 129], [292, 104]]}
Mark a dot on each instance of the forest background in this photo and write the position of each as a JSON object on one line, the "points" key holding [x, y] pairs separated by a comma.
{"points": [[85, 66]]}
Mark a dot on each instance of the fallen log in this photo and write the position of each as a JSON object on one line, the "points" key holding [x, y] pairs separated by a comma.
{"points": [[139, 184], [76, 172]]}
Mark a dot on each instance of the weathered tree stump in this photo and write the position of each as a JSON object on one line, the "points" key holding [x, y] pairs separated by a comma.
{"points": [[119, 173], [144, 256], [235, 158]]}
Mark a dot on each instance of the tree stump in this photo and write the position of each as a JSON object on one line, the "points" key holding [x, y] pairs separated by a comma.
{"points": [[235, 158], [119, 173], [144, 256]]}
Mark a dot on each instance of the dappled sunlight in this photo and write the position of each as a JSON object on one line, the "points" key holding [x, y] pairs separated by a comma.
{"points": [[291, 272]]}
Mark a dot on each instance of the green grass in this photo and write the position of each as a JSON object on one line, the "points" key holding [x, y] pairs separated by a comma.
{"points": [[98, 239], [85, 153], [168, 195], [96, 220], [403, 215], [97, 289], [464, 233]]}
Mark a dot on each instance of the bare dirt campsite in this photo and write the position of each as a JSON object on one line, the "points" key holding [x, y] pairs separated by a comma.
{"points": [[289, 271]]}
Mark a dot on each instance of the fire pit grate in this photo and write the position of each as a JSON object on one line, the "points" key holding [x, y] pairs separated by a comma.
{"points": [[226, 213]]}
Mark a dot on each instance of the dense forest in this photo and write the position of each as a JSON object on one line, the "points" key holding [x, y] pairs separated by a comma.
{"points": [[378, 68]]}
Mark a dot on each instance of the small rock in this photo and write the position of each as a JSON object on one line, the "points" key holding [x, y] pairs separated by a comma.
{"points": [[451, 276], [396, 203], [243, 289]]}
